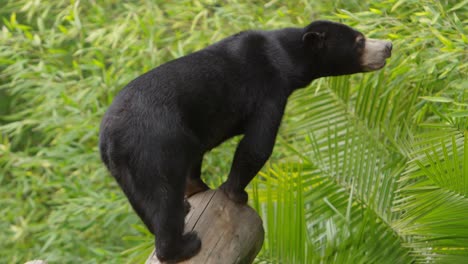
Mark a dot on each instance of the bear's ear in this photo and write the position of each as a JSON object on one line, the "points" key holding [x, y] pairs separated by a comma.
{"points": [[315, 39]]}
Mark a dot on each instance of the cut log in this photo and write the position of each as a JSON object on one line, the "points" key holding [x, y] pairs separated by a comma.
{"points": [[230, 233]]}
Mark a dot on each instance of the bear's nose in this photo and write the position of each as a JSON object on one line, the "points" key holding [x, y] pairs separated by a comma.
{"points": [[388, 48]]}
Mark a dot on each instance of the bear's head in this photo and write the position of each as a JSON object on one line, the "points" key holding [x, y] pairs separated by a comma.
{"points": [[336, 49]]}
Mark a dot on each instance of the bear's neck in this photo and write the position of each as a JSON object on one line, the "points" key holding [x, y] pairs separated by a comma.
{"points": [[299, 70]]}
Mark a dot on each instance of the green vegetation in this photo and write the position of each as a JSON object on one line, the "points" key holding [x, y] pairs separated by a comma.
{"points": [[371, 168]]}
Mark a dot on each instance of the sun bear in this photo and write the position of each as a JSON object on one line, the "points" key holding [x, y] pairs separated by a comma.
{"points": [[155, 133]]}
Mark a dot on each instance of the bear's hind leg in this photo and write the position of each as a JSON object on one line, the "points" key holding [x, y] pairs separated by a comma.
{"points": [[168, 222], [154, 186]]}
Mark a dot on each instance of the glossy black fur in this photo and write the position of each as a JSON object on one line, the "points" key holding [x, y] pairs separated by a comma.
{"points": [[158, 128]]}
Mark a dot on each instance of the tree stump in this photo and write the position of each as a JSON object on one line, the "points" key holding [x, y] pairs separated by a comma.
{"points": [[230, 233]]}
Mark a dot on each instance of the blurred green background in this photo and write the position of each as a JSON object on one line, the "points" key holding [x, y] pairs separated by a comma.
{"points": [[369, 168]]}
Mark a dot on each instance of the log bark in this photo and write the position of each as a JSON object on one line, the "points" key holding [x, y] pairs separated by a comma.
{"points": [[230, 233]]}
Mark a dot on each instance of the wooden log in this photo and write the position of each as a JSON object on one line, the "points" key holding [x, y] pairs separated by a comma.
{"points": [[230, 233]]}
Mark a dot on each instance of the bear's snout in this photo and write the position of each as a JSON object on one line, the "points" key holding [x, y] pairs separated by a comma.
{"points": [[375, 53], [388, 48]]}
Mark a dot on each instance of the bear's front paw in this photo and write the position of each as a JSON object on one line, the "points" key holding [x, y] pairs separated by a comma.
{"points": [[237, 196]]}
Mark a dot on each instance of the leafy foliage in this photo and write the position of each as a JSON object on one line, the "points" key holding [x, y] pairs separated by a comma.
{"points": [[371, 168]]}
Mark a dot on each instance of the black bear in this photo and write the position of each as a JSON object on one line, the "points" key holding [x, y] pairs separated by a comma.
{"points": [[155, 133]]}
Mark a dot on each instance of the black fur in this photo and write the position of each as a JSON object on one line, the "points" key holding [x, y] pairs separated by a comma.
{"points": [[158, 128]]}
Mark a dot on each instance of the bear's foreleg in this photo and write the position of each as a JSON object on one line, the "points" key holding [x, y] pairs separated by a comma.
{"points": [[253, 150]]}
